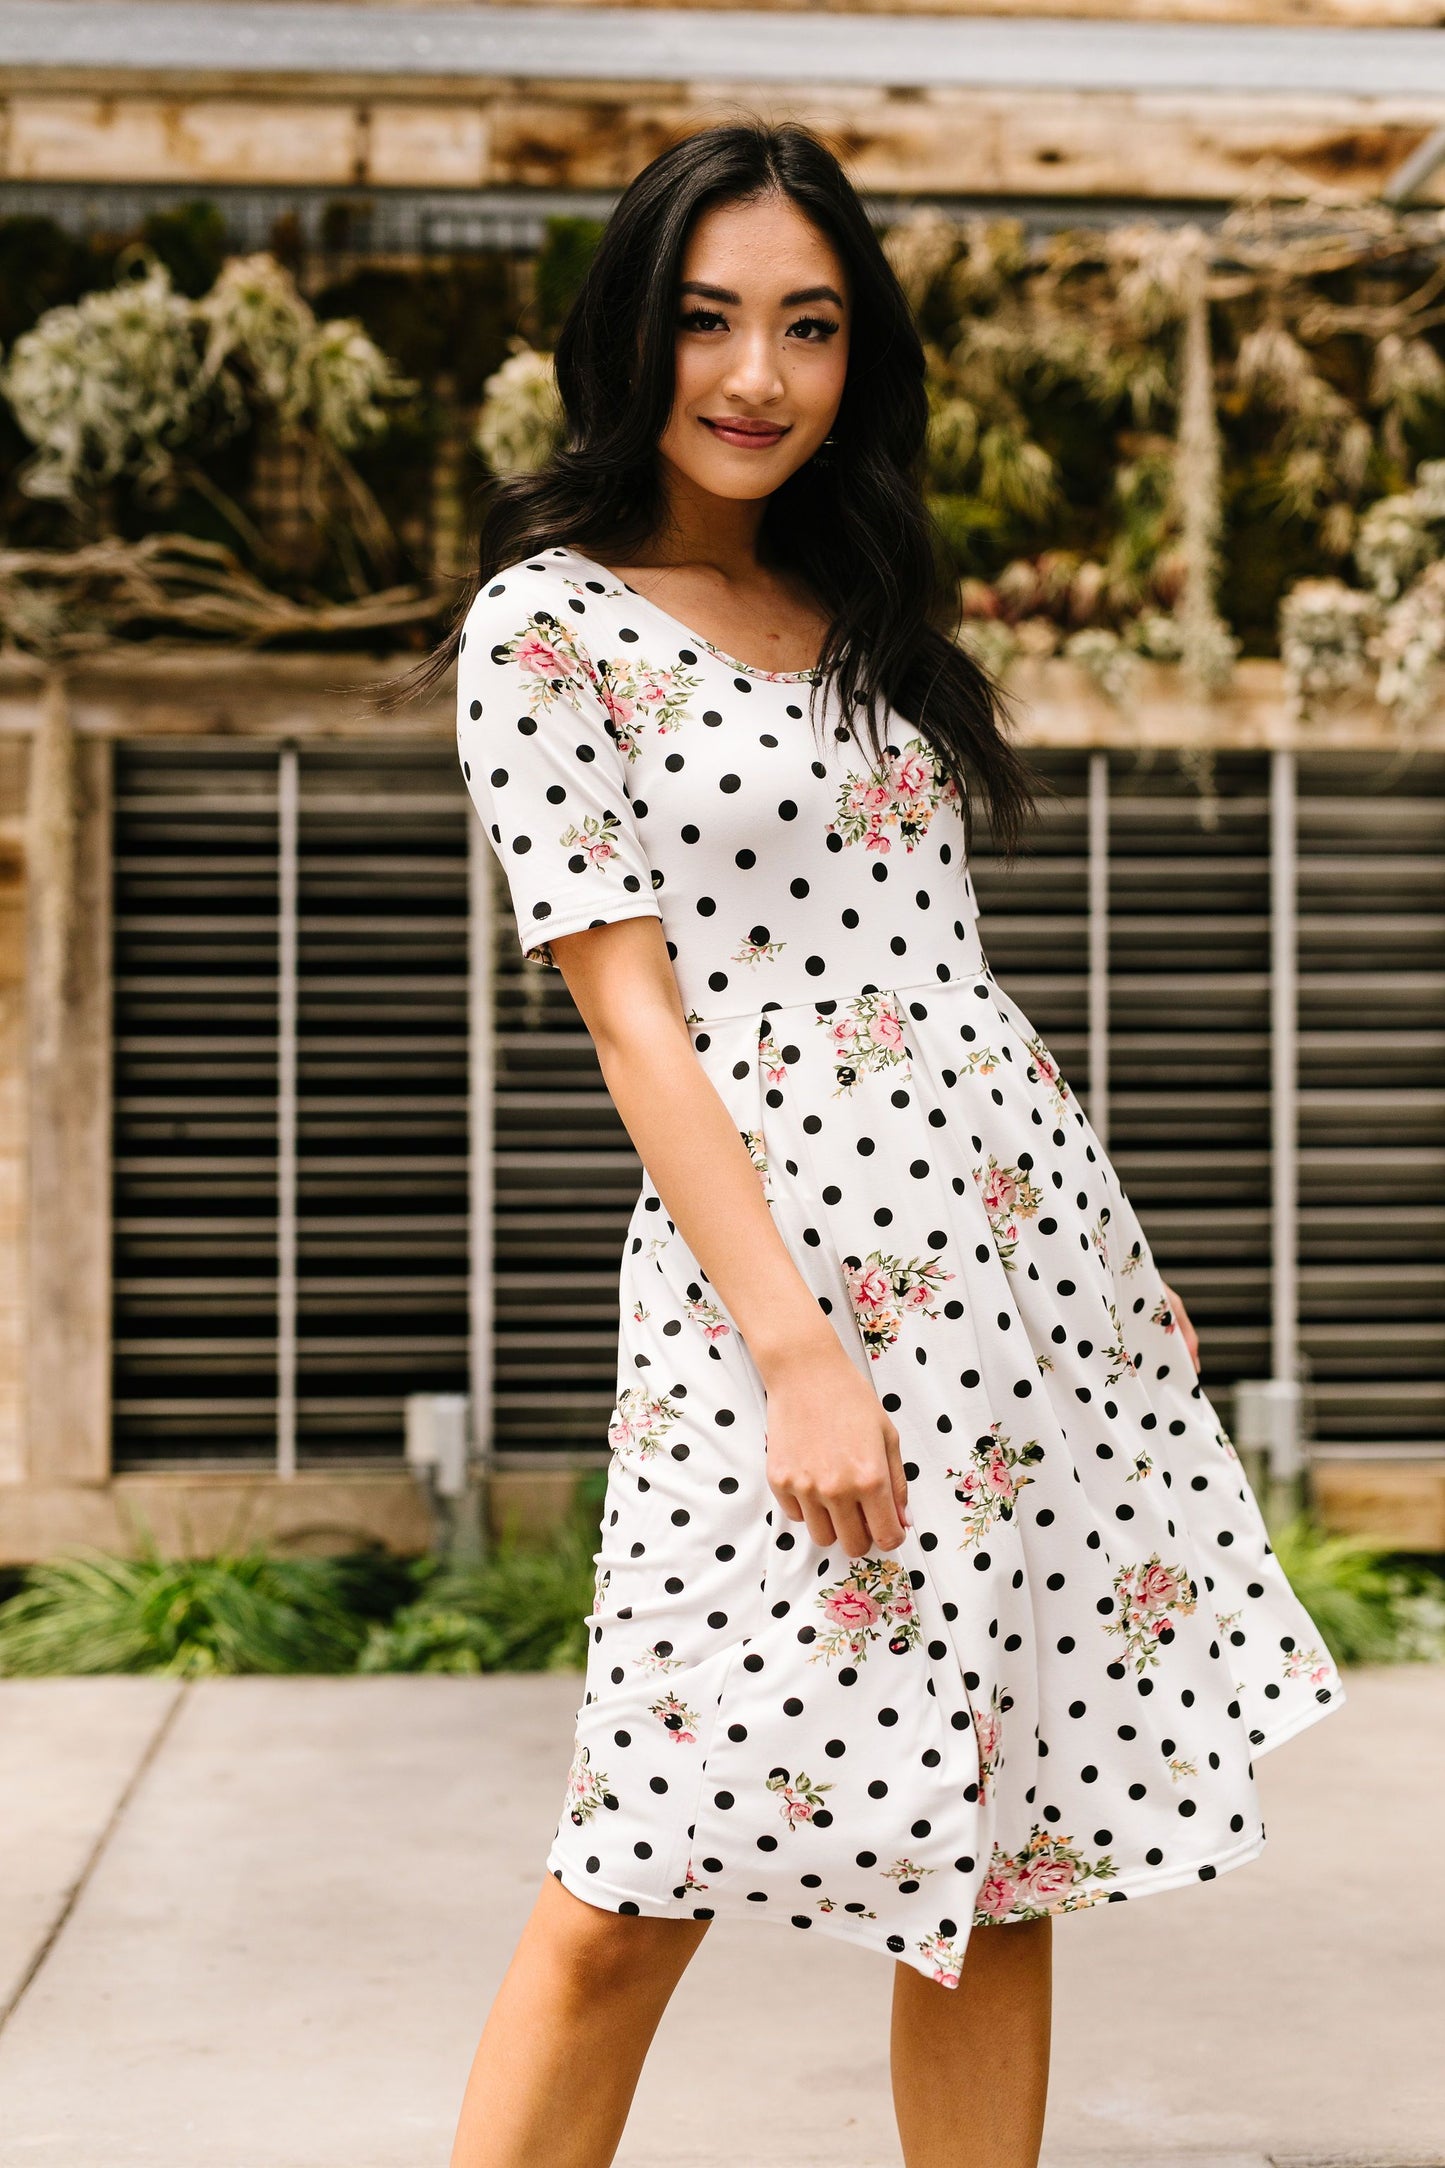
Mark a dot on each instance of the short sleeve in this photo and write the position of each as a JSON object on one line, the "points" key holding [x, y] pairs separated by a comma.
{"points": [[543, 766]]}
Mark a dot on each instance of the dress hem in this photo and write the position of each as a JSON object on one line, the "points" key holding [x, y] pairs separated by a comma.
{"points": [[589, 1891], [1301, 1721]]}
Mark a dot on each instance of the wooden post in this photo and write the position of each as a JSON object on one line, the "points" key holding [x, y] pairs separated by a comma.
{"points": [[68, 883]]}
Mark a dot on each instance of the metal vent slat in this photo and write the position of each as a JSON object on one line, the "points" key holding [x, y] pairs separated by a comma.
{"points": [[382, 1121]]}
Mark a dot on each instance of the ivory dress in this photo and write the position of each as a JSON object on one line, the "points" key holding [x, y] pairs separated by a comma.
{"points": [[1051, 1695]]}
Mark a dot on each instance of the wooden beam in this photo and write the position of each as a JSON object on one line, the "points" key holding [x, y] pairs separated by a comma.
{"points": [[930, 140], [67, 1370], [195, 692]]}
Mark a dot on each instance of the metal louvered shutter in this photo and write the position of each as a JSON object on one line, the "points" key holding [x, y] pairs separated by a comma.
{"points": [[1372, 1102], [566, 1179], [1171, 1059], [378, 847]]}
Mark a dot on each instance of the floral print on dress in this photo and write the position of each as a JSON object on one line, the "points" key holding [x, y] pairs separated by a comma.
{"points": [[706, 1316], [1116, 1355], [1049, 1874], [884, 1290], [1049, 1075], [875, 1598], [903, 795], [633, 692], [979, 1061], [586, 1788], [756, 951], [988, 1488], [758, 1154], [859, 1910], [1311, 1664], [773, 1066], [906, 1873], [1180, 1767], [799, 1798], [640, 1423], [866, 1040], [988, 1731], [1009, 1197], [678, 1720], [658, 1658], [945, 1958], [1163, 1314], [1145, 1596], [595, 841]]}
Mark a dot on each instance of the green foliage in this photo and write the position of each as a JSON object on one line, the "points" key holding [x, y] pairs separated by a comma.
{"points": [[1368, 1609], [41, 265], [567, 249], [521, 1609], [188, 1618], [191, 242]]}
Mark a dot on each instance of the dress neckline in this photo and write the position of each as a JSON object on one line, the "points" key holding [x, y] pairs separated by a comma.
{"points": [[746, 669]]}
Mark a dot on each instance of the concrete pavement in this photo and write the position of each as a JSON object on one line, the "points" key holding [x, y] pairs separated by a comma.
{"points": [[256, 1923]]}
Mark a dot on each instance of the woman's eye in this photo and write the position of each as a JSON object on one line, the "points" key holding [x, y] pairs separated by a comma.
{"points": [[825, 326], [699, 319]]}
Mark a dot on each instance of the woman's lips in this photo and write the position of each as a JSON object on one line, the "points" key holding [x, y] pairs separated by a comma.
{"points": [[753, 439]]}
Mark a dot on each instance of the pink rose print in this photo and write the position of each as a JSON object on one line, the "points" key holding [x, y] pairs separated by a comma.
{"points": [[883, 1289], [1145, 1596], [540, 658], [1044, 1882], [550, 658], [850, 1607], [1050, 1874], [944, 1957], [988, 1488], [640, 1423], [799, 1798], [866, 1040], [900, 797], [874, 1599], [998, 1893], [1008, 1197], [676, 1718]]}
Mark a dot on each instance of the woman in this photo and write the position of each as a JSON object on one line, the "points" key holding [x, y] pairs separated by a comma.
{"points": [[930, 1596]]}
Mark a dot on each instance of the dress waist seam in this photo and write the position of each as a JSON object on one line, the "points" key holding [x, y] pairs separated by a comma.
{"points": [[832, 996]]}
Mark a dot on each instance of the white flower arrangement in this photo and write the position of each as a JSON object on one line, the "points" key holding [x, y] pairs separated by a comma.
{"points": [[1333, 637], [116, 383], [521, 419], [106, 386]]}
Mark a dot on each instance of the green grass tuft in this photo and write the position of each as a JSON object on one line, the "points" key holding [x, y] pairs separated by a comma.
{"points": [[1367, 1609], [521, 1609], [189, 1618]]}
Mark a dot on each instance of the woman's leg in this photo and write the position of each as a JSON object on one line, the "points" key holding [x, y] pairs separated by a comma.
{"points": [[971, 2063], [564, 2042]]}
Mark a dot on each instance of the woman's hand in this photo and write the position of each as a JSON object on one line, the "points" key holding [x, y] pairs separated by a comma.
{"points": [[833, 1456], [1191, 1337]]}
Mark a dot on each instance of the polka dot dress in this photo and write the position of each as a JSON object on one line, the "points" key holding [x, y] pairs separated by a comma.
{"points": [[1051, 1695]]}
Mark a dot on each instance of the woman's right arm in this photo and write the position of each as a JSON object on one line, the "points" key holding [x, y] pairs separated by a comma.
{"points": [[833, 1458], [539, 751]]}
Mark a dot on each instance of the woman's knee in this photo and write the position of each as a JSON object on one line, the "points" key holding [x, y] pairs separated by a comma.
{"points": [[600, 1949]]}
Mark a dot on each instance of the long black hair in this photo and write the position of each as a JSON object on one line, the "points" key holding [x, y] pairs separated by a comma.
{"points": [[855, 527]]}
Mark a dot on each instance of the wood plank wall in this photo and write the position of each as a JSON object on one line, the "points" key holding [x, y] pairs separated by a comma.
{"points": [[942, 140]]}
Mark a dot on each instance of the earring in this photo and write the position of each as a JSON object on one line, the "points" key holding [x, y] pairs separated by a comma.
{"points": [[823, 457]]}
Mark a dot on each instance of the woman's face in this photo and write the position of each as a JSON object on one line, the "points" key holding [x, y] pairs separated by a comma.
{"points": [[762, 348]]}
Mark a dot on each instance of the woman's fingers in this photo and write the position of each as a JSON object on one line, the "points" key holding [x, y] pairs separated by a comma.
{"points": [[897, 1478], [1184, 1322]]}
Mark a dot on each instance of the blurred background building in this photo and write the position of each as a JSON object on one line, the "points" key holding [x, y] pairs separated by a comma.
{"points": [[288, 1131]]}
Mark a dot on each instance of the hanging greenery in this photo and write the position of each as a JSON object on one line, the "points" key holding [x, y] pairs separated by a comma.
{"points": [[1146, 441]]}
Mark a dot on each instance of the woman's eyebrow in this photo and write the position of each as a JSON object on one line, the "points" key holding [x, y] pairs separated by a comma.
{"points": [[801, 293]]}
